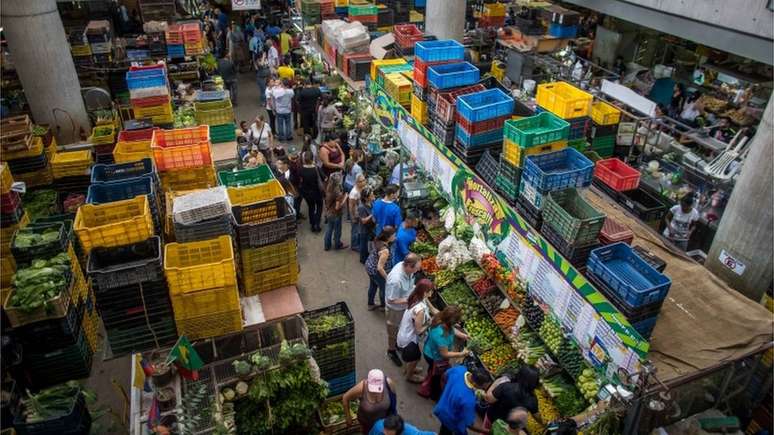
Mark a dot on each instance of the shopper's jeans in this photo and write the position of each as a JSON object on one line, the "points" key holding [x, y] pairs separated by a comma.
{"points": [[261, 82], [314, 203], [272, 119], [284, 126], [232, 89], [333, 230], [354, 237], [363, 242], [376, 282]]}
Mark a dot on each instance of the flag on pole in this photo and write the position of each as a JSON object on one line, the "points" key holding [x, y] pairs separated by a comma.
{"points": [[154, 414], [142, 370], [186, 359]]}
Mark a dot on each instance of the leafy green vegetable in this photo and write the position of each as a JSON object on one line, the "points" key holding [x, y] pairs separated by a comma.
{"points": [[27, 238], [50, 403], [420, 248], [39, 203], [44, 280], [326, 323]]}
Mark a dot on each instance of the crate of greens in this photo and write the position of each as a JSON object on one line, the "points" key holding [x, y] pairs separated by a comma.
{"points": [[41, 291], [331, 324], [332, 418], [60, 409], [41, 241]]}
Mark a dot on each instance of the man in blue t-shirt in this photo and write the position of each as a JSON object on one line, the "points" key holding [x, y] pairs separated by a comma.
{"points": [[406, 235], [394, 425], [386, 210], [456, 409]]}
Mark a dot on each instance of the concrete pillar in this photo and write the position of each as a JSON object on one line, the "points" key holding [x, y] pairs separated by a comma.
{"points": [[445, 19], [745, 231], [41, 55]]}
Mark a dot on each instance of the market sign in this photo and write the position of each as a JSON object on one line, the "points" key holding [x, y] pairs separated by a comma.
{"points": [[245, 5], [609, 341]]}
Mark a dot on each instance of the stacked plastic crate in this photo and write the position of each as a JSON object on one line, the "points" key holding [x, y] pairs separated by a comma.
{"points": [[175, 42], [133, 145], [539, 134], [103, 138], [310, 12], [201, 215], [401, 10], [265, 229], [59, 336], [27, 154], [333, 349], [386, 19], [193, 40], [564, 23], [604, 128], [480, 120], [99, 35], [328, 10], [71, 171], [493, 15], [406, 35], [341, 8], [149, 93], [157, 44], [79, 48], [213, 108], [571, 104], [427, 54], [183, 158], [630, 283], [367, 14], [12, 218]]}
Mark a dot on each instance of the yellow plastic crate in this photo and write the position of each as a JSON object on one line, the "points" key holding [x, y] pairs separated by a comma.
{"points": [[6, 179], [255, 193], [7, 269], [162, 110], [398, 87], [42, 177], [418, 109], [188, 179], [71, 163], [416, 17], [199, 265], [260, 282], [605, 114], [385, 29], [205, 302], [114, 223], [377, 63], [255, 260], [498, 70], [515, 155], [564, 100], [125, 152], [494, 10], [341, 3], [211, 325], [104, 139]]}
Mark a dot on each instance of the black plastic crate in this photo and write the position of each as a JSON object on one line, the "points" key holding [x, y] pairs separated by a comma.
{"points": [[123, 171], [335, 335], [140, 338], [532, 215], [78, 420], [126, 265], [74, 184], [602, 130], [650, 258], [576, 255], [487, 168], [256, 227], [28, 164], [204, 230], [645, 206], [8, 219], [607, 190], [633, 315], [61, 331], [25, 255], [44, 369], [359, 68]]}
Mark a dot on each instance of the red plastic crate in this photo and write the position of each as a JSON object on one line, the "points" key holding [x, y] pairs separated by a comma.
{"points": [[617, 174], [174, 34], [327, 8], [150, 101], [367, 19], [9, 202], [491, 22], [613, 232], [406, 35], [180, 136], [135, 135], [445, 103], [481, 126], [147, 67]]}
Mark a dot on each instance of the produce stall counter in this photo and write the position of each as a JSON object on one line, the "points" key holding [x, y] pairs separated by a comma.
{"points": [[696, 329], [314, 47]]}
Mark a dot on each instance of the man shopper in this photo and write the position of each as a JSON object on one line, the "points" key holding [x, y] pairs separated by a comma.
{"points": [[282, 97], [407, 233], [400, 284], [394, 425], [228, 73], [456, 409], [386, 210]]}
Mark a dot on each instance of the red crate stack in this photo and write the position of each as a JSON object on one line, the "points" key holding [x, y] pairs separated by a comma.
{"points": [[328, 9], [481, 126], [406, 35], [347, 57], [491, 22], [445, 108], [174, 34], [420, 70], [192, 38]]}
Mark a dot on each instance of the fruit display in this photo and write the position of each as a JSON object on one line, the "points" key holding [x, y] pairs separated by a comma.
{"points": [[570, 358], [566, 397], [497, 357], [459, 294], [444, 278], [588, 384], [492, 301], [529, 347], [429, 265], [482, 286], [546, 407], [484, 330], [506, 318], [532, 313], [552, 335]]}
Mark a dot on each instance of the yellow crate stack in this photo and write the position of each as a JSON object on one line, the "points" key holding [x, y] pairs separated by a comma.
{"points": [[378, 63], [11, 205], [71, 164], [203, 287], [399, 88], [564, 100], [114, 223], [419, 109]]}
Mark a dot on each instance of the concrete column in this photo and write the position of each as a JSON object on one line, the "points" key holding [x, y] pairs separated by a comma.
{"points": [[445, 19], [745, 231], [41, 54]]}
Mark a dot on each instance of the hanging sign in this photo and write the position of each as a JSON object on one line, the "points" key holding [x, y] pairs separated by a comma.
{"points": [[245, 5]]}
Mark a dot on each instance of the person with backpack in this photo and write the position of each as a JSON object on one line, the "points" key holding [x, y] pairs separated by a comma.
{"points": [[377, 400], [378, 266]]}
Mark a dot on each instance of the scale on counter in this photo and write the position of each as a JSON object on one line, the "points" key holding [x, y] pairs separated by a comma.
{"points": [[414, 194]]}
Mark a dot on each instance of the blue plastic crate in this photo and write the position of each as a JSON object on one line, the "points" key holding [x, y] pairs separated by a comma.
{"points": [[439, 51], [175, 51], [342, 11], [628, 275], [558, 170], [110, 192], [560, 31], [452, 75], [137, 54], [645, 327], [420, 3], [341, 384], [146, 81], [102, 173], [480, 139], [480, 106]]}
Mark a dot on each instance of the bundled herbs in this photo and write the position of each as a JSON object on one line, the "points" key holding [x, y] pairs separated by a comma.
{"points": [[44, 280], [51, 403]]}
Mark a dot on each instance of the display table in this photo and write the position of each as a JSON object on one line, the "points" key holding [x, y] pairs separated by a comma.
{"points": [[224, 151]]}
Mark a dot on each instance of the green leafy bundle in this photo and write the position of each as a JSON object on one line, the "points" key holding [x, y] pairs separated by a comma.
{"points": [[44, 280]]}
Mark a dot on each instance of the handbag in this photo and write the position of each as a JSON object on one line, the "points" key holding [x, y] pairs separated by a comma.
{"points": [[320, 182], [426, 387]]}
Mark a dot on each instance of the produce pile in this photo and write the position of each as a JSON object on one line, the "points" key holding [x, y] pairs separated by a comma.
{"points": [[437, 233], [529, 347], [552, 335], [470, 272], [483, 286], [570, 358], [492, 301], [429, 266], [424, 249], [40, 203], [484, 330], [495, 359], [327, 323], [532, 313], [28, 238], [459, 294], [566, 397], [588, 384], [444, 277], [506, 318], [332, 411], [50, 403], [43, 280]]}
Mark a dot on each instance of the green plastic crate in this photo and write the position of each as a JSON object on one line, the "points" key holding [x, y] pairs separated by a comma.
{"points": [[360, 10], [604, 151], [603, 141], [573, 219], [579, 144], [536, 130], [223, 133], [245, 177]]}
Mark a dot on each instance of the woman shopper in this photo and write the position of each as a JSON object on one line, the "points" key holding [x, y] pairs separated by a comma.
{"points": [[335, 200], [260, 134], [413, 325], [270, 104], [378, 266], [329, 116], [377, 400], [437, 350], [311, 190], [365, 222], [352, 169], [353, 198], [332, 157]]}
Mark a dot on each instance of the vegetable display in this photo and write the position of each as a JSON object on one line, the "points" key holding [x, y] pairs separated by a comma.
{"points": [[429, 265], [532, 313], [492, 301], [424, 248], [566, 397], [529, 347], [327, 323], [484, 330], [437, 233], [483, 286], [444, 278], [570, 358], [506, 318], [332, 411], [28, 239], [459, 294], [552, 335], [44, 280], [497, 357], [50, 403], [588, 384], [40, 203]]}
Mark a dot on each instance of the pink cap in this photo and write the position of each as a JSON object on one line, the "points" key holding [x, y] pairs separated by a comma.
{"points": [[375, 381]]}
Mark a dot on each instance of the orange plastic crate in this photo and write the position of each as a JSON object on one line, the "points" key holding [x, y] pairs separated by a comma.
{"points": [[182, 148]]}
